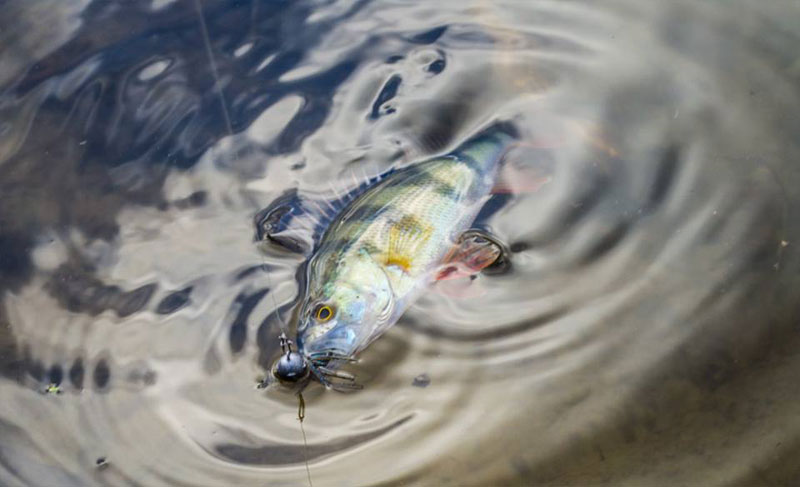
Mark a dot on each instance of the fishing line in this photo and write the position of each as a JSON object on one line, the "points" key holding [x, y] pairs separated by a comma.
{"points": [[784, 214], [213, 65], [301, 406], [301, 414], [284, 328], [223, 103]]}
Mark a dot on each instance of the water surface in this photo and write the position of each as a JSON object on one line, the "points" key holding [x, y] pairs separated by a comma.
{"points": [[645, 335]]}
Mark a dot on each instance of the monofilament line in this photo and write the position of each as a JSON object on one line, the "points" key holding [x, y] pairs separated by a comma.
{"points": [[301, 413], [229, 127], [213, 64], [223, 103]]}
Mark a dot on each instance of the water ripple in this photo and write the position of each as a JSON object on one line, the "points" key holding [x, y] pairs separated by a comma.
{"points": [[648, 316]]}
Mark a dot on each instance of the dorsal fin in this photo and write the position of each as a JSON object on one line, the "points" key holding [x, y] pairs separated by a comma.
{"points": [[296, 221]]}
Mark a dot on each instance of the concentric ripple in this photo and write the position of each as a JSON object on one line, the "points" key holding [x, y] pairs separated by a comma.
{"points": [[644, 333]]}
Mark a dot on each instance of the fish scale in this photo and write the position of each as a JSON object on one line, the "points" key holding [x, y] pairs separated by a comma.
{"points": [[384, 248], [409, 200]]}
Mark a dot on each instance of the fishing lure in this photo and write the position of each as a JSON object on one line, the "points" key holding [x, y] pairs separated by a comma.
{"points": [[385, 243]]}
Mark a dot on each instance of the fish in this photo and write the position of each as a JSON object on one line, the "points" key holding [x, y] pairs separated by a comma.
{"points": [[389, 242]]}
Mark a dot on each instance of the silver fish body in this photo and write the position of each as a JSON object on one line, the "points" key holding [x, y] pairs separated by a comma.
{"points": [[383, 250]]}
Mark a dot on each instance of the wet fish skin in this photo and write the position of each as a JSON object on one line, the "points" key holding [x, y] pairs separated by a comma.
{"points": [[383, 249]]}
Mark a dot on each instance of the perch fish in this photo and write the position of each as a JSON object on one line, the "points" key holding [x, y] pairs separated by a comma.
{"points": [[389, 241]]}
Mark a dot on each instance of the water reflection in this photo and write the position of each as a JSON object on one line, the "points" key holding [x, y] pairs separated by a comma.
{"points": [[644, 335]]}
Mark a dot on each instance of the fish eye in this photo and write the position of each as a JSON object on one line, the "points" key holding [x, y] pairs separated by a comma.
{"points": [[323, 313]]}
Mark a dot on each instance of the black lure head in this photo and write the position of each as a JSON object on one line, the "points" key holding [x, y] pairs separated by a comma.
{"points": [[294, 369], [291, 367]]}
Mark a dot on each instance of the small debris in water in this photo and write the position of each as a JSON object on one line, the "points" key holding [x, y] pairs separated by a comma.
{"points": [[784, 243], [422, 380], [101, 463], [52, 388], [262, 383]]}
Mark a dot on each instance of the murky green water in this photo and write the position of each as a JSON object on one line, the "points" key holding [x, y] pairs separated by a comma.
{"points": [[646, 335]]}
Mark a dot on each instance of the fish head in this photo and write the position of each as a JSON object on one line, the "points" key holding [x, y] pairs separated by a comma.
{"points": [[341, 315]]}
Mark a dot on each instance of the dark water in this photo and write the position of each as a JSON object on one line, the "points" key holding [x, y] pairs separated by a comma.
{"points": [[646, 335]]}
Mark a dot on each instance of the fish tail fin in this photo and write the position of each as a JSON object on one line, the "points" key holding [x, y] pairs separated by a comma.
{"points": [[524, 168]]}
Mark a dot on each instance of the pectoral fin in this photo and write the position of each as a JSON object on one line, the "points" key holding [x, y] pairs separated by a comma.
{"points": [[461, 288], [406, 239]]}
